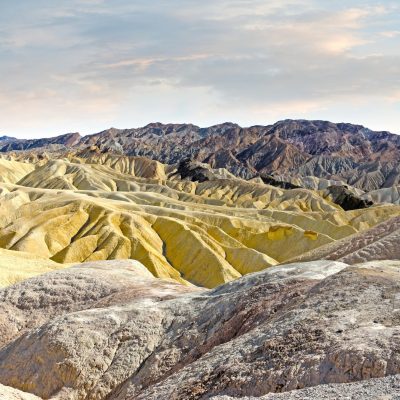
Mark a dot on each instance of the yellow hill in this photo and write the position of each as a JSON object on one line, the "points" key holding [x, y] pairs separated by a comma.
{"points": [[12, 171], [102, 207], [16, 266]]}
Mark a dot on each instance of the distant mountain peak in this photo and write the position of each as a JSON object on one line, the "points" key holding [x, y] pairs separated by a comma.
{"points": [[2, 138]]}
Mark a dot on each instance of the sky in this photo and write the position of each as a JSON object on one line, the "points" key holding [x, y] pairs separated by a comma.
{"points": [[86, 65]]}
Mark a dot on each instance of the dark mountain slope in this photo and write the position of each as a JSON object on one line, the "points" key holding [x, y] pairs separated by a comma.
{"points": [[344, 152]]}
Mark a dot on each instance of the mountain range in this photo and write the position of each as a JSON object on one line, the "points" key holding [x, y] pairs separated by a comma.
{"points": [[290, 150]]}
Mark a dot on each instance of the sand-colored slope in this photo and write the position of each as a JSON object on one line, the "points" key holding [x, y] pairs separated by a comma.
{"points": [[99, 207], [188, 239], [378, 243], [141, 167], [16, 266], [9, 393], [12, 171], [385, 195], [199, 257], [75, 228], [62, 175]]}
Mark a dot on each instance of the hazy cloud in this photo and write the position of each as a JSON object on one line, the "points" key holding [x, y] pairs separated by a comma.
{"points": [[88, 64]]}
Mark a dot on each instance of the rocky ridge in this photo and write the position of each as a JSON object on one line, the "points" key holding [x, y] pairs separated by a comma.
{"points": [[347, 153], [379, 389]]}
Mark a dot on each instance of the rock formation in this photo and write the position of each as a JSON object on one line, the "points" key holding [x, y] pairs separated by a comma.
{"points": [[377, 243], [13, 171], [8, 393], [379, 388], [111, 331], [206, 233], [10, 144], [199, 172], [342, 196]]}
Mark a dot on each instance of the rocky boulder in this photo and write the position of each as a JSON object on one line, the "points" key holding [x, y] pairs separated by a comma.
{"points": [[195, 171], [345, 198]]}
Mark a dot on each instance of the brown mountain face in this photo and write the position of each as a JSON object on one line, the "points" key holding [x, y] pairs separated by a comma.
{"points": [[297, 148]]}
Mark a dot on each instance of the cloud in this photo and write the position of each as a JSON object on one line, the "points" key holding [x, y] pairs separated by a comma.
{"points": [[144, 63], [85, 62], [390, 34]]}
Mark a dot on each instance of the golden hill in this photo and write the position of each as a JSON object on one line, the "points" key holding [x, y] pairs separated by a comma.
{"points": [[111, 207], [16, 266], [12, 171]]}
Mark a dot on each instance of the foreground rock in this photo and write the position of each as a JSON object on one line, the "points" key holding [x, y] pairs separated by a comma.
{"points": [[114, 332], [379, 389], [31, 303], [8, 393]]}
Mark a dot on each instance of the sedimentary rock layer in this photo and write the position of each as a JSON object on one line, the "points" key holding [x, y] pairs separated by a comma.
{"points": [[191, 233]]}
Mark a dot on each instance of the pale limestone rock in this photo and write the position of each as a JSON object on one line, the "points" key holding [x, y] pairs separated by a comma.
{"points": [[378, 389], [9, 393], [115, 334]]}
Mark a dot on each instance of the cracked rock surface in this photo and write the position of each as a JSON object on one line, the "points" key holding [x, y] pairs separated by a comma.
{"points": [[112, 331], [387, 388]]}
